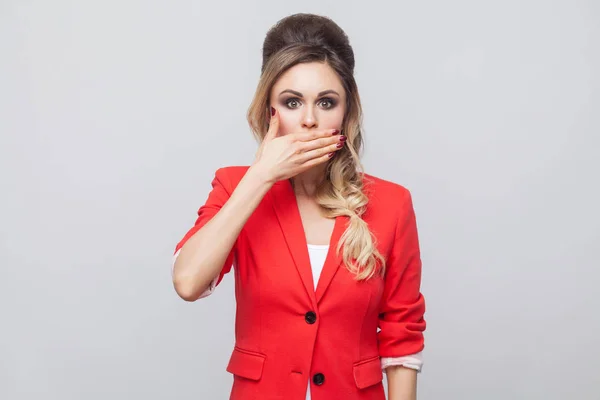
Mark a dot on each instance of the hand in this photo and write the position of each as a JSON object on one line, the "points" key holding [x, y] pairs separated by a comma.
{"points": [[282, 157]]}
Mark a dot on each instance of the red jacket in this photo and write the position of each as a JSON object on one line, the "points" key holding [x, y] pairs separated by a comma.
{"points": [[286, 332]]}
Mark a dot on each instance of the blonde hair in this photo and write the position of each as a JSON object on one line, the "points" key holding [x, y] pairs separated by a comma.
{"points": [[303, 38]]}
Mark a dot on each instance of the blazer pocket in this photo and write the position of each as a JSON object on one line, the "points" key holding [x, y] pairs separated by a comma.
{"points": [[368, 372], [245, 363]]}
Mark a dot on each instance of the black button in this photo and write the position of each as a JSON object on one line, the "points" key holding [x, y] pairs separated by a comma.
{"points": [[310, 317], [318, 379]]}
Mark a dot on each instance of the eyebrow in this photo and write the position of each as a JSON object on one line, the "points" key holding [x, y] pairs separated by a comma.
{"points": [[301, 95]]}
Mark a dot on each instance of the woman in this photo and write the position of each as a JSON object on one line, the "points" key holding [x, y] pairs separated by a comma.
{"points": [[324, 254]]}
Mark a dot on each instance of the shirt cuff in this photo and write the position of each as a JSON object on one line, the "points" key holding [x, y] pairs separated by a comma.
{"points": [[412, 361]]}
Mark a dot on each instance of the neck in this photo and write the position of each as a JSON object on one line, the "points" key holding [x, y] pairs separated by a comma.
{"points": [[305, 183]]}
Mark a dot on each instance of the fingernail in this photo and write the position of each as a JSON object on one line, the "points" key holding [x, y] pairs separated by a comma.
{"points": [[343, 138], [339, 145], [331, 155], [272, 111], [335, 132]]}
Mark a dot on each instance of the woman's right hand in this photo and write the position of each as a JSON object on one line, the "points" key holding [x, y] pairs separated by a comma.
{"points": [[282, 157]]}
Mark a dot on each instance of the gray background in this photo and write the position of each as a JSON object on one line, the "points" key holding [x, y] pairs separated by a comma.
{"points": [[114, 116]]}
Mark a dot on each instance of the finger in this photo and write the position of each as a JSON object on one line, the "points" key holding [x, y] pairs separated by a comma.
{"points": [[273, 125], [318, 160], [322, 142], [308, 136], [317, 153]]}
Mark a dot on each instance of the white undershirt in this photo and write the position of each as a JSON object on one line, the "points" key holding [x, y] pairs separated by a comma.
{"points": [[317, 254]]}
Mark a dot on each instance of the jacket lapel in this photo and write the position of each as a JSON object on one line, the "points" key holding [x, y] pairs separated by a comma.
{"points": [[288, 214]]}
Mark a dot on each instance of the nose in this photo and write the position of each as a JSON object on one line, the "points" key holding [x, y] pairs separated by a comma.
{"points": [[308, 119]]}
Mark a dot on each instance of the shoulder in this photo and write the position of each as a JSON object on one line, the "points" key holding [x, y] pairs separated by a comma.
{"points": [[232, 171], [384, 188], [231, 175], [388, 200]]}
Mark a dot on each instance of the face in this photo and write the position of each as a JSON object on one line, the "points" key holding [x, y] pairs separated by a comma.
{"points": [[309, 96]]}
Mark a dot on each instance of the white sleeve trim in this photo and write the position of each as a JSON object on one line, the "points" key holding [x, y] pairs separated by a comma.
{"points": [[412, 361]]}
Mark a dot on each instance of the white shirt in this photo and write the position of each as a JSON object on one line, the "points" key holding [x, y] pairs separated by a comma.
{"points": [[317, 254]]}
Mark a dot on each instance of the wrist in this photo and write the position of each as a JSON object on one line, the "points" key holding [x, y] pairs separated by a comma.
{"points": [[261, 174]]}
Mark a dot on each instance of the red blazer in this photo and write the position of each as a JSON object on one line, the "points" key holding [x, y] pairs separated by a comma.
{"points": [[286, 332]]}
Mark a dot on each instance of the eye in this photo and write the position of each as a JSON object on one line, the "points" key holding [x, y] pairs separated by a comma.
{"points": [[291, 100], [294, 102], [330, 101]]}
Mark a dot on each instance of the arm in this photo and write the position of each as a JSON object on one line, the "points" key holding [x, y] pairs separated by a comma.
{"points": [[402, 375], [213, 284], [402, 383], [403, 306], [206, 252]]}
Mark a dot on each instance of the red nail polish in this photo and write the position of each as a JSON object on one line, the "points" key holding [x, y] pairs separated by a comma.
{"points": [[335, 132], [343, 138], [272, 111], [331, 155]]}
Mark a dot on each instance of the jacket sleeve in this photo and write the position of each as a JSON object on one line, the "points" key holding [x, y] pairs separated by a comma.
{"points": [[217, 197], [402, 308]]}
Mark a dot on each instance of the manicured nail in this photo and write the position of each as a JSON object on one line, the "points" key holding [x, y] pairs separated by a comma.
{"points": [[272, 111], [331, 154], [342, 138], [339, 145], [335, 132]]}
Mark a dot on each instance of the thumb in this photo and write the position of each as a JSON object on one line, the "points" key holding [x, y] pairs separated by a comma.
{"points": [[273, 125]]}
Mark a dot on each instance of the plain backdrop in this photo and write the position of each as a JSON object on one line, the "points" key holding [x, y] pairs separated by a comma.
{"points": [[114, 116]]}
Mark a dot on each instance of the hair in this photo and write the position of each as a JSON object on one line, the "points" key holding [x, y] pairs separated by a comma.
{"points": [[305, 38]]}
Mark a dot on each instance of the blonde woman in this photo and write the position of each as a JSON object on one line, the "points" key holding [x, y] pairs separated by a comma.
{"points": [[326, 257]]}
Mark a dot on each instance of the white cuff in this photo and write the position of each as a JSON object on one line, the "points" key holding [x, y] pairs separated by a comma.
{"points": [[412, 361]]}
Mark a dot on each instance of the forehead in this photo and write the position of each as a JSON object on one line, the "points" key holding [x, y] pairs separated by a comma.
{"points": [[309, 79]]}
